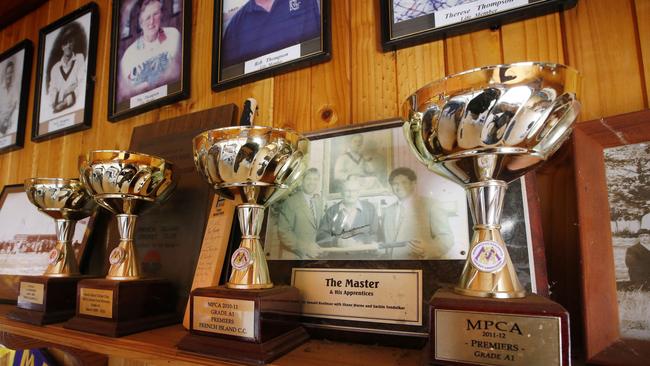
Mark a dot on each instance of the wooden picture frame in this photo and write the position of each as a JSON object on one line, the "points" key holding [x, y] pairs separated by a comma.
{"points": [[140, 82], [13, 113], [423, 21], [521, 222], [63, 99], [236, 60], [605, 343], [18, 248]]}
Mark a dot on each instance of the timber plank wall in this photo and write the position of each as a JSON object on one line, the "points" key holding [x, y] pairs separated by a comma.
{"points": [[608, 41]]}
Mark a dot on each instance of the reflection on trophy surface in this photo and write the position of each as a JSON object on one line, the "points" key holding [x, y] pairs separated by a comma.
{"points": [[126, 183], [484, 128], [259, 165], [66, 201]]}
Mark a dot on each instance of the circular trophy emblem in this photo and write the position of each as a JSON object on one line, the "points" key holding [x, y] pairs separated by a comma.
{"points": [[54, 256], [488, 256], [117, 256], [241, 259]]}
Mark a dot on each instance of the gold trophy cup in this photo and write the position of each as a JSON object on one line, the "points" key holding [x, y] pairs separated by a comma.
{"points": [[50, 298], [257, 165], [482, 129], [127, 184]]}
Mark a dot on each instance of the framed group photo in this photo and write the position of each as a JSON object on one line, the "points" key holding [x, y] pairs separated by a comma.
{"points": [[409, 22], [366, 204], [612, 168], [150, 55], [65, 82], [26, 238], [252, 41], [15, 73]]}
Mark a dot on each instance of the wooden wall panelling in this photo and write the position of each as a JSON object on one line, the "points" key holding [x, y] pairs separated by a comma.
{"points": [[642, 10], [536, 39], [331, 87], [374, 89], [292, 98], [418, 66], [601, 43], [472, 50]]}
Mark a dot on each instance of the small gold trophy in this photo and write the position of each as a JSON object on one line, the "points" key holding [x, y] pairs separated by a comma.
{"points": [[50, 298], [127, 184], [257, 165], [482, 129]]}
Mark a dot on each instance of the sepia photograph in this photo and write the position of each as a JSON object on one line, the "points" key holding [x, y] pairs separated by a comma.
{"points": [[27, 235], [364, 196], [15, 72], [251, 36], [628, 181], [149, 55], [66, 65]]}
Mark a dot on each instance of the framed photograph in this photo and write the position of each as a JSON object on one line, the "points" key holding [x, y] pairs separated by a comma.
{"points": [[65, 82], [367, 209], [612, 162], [406, 23], [254, 39], [150, 55], [15, 73], [26, 238]]}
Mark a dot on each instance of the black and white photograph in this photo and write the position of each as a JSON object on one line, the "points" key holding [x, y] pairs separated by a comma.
{"points": [[627, 170], [256, 38], [149, 55], [66, 71], [27, 235], [409, 22], [15, 72], [366, 197]]}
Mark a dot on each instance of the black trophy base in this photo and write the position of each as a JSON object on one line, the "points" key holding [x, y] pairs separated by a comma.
{"points": [[118, 308], [246, 326], [45, 300], [484, 331]]}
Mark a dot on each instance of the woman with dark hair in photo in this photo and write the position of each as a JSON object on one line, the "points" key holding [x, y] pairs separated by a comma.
{"points": [[66, 71], [153, 59]]}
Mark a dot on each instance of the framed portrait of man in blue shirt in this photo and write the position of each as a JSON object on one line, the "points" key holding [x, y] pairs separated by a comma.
{"points": [[257, 38]]}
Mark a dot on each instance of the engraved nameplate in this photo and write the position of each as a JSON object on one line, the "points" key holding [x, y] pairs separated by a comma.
{"points": [[224, 316], [96, 302], [31, 293], [369, 295], [497, 339]]}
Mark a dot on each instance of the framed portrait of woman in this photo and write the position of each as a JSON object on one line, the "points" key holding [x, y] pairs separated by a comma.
{"points": [[65, 82], [150, 55], [15, 71]]}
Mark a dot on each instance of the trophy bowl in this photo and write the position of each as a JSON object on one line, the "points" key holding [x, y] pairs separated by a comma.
{"points": [[484, 128], [257, 165], [127, 184], [66, 201]]}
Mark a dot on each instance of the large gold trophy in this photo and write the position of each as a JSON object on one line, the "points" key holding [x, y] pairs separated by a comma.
{"points": [[50, 298], [127, 184], [482, 129], [256, 165]]}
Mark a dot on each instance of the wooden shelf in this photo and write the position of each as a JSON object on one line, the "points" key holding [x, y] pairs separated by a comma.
{"points": [[159, 346]]}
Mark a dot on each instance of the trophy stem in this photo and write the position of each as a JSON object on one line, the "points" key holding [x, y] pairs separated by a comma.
{"points": [[63, 262], [488, 271], [249, 268], [123, 259]]}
